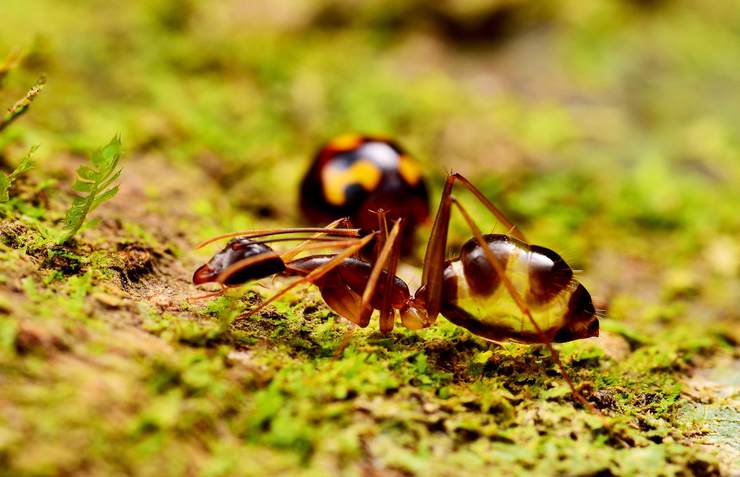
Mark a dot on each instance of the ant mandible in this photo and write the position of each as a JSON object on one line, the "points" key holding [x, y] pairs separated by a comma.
{"points": [[499, 287]]}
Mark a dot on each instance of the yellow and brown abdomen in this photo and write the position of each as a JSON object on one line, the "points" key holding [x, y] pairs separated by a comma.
{"points": [[475, 297]]}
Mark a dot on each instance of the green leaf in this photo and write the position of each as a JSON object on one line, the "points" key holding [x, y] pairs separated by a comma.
{"points": [[6, 181], [107, 195], [107, 182], [86, 173], [94, 183], [25, 165], [4, 188], [80, 186]]}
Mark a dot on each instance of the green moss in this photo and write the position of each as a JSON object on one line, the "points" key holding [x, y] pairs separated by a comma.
{"points": [[606, 131]]}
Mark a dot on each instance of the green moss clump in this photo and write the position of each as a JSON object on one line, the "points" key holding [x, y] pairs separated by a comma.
{"points": [[606, 131]]}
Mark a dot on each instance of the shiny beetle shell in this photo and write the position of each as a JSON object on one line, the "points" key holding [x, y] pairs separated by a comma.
{"points": [[354, 175]]}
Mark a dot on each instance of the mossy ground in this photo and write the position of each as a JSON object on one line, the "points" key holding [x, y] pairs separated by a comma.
{"points": [[607, 130]]}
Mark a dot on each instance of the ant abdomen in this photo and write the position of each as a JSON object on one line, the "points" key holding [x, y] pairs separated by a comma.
{"points": [[475, 296], [238, 251]]}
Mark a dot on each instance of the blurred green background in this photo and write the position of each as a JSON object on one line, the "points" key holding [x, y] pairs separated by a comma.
{"points": [[608, 130]]}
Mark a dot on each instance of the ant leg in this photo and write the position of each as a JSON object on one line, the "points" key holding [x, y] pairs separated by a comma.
{"points": [[384, 231], [434, 257], [206, 296], [513, 229], [387, 313], [348, 223], [317, 273], [383, 235], [383, 258], [346, 339], [265, 233], [290, 254], [521, 304]]}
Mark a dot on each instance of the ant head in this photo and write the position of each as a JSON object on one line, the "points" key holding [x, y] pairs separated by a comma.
{"points": [[240, 261]]}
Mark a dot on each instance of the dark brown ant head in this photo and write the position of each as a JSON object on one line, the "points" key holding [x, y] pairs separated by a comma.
{"points": [[581, 320], [255, 260]]}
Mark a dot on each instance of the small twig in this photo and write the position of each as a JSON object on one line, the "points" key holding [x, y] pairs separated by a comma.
{"points": [[22, 105]]}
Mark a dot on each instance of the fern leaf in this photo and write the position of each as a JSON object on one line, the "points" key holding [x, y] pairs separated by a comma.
{"points": [[95, 183], [107, 195], [4, 188], [6, 181]]}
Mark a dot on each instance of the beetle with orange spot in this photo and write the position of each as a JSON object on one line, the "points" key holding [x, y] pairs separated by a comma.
{"points": [[356, 175]]}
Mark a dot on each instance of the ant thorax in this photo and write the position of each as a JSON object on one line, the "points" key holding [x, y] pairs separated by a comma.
{"points": [[474, 296]]}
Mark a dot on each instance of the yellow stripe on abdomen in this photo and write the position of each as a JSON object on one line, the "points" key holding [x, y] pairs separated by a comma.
{"points": [[498, 309]]}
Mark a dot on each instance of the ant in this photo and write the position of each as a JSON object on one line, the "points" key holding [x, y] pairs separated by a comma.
{"points": [[499, 287]]}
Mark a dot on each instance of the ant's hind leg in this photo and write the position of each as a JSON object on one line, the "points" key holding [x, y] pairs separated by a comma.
{"points": [[434, 257], [512, 228]]}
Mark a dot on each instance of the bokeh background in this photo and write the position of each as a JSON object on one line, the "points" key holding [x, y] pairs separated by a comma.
{"points": [[608, 130]]}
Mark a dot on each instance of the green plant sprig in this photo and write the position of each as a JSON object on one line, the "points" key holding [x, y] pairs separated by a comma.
{"points": [[6, 180], [22, 105], [96, 184]]}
